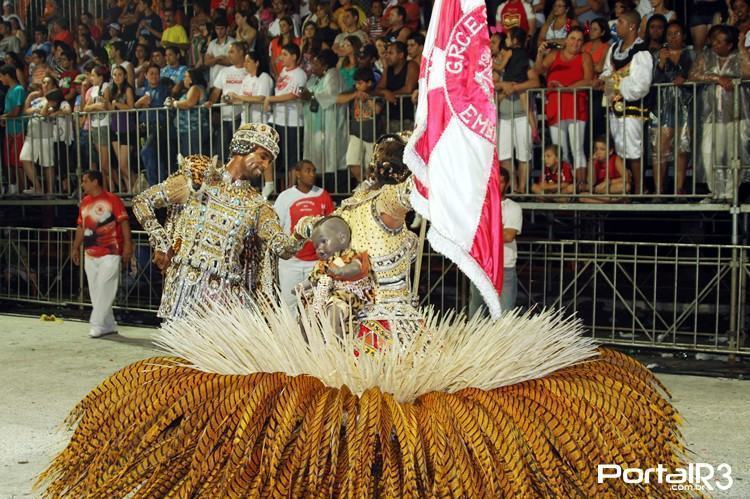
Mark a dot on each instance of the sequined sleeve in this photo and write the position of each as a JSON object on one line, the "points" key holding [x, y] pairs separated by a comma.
{"points": [[172, 191], [270, 230], [394, 199]]}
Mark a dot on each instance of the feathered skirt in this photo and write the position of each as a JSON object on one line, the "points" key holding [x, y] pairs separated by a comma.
{"points": [[520, 407]]}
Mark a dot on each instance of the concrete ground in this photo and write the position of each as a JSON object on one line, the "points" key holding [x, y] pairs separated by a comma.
{"points": [[47, 367]]}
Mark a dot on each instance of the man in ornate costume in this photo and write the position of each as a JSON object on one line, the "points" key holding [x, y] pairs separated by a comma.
{"points": [[224, 237], [627, 75]]}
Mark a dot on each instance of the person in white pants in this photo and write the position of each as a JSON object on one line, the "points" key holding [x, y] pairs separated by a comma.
{"points": [[103, 229], [301, 200]]}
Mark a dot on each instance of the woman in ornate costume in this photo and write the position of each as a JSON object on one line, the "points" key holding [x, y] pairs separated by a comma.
{"points": [[520, 406]]}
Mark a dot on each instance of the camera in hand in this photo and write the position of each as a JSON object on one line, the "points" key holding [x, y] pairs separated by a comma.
{"points": [[553, 45]]}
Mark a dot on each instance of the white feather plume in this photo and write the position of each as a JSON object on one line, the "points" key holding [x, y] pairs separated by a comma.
{"points": [[454, 352]]}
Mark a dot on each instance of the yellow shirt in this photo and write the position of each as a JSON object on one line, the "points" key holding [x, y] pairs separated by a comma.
{"points": [[175, 34]]}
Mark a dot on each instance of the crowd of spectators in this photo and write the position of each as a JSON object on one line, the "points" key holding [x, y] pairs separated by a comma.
{"points": [[127, 91]]}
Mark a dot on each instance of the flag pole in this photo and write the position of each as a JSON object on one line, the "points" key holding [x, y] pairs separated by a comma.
{"points": [[418, 265]]}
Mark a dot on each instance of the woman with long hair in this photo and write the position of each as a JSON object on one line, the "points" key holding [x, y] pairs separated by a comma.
{"points": [[309, 46], [84, 50], [286, 26], [348, 61], [18, 31], [562, 18], [598, 43], [142, 56], [120, 97], [247, 28], [656, 33], [17, 62], [192, 118], [93, 91]]}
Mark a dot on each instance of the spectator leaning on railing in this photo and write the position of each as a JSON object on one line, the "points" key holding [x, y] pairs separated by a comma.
{"points": [[256, 86], [517, 123], [92, 93], [119, 97], [325, 136], [347, 63], [152, 126], [287, 118], [567, 111], [192, 116], [13, 107], [366, 122], [675, 112], [722, 124]]}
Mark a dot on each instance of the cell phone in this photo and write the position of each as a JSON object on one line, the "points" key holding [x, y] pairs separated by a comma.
{"points": [[553, 45]]}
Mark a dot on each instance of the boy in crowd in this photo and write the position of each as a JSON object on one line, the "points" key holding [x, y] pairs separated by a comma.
{"points": [[366, 122], [609, 174], [301, 200], [557, 176]]}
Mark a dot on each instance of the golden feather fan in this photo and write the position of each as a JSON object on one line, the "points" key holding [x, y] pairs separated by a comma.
{"points": [[295, 419]]}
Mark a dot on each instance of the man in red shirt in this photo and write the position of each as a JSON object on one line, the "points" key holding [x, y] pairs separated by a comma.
{"points": [[59, 33], [103, 229], [515, 14], [301, 200]]}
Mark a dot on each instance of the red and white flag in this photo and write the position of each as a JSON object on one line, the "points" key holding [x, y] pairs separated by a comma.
{"points": [[452, 152]]}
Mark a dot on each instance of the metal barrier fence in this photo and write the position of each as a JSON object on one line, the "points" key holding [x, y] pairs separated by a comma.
{"points": [[665, 296], [685, 139], [46, 154], [691, 134]]}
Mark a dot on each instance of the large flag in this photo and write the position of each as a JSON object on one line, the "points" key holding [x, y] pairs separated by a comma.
{"points": [[452, 152]]}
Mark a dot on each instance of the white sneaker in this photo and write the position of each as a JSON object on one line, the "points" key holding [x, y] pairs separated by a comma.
{"points": [[12, 189], [93, 333]]}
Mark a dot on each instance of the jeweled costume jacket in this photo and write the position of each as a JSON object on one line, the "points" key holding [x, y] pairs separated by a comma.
{"points": [[391, 251], [224, 236]]}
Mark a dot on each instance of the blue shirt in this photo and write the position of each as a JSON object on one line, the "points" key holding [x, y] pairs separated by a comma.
{"points": [[13, 99], [158, 95], [174, 74]]}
